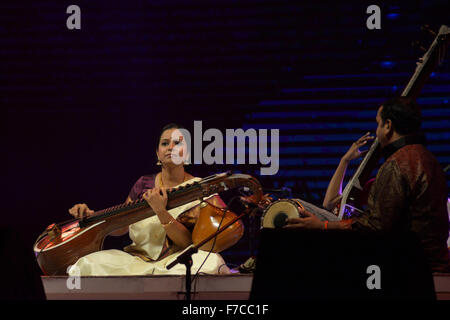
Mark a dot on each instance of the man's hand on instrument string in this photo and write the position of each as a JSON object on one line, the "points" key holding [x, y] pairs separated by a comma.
{"points": [[353, 152], [307, 221]]}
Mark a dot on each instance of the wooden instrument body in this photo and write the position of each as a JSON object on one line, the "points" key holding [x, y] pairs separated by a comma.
{"points": [[60, 246], [64, 253], [55, 253], [210, 219]]}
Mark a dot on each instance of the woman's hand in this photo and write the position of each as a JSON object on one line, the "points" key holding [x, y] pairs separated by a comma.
{"points": [[306, 221], [354, 152], [80, 211], [156, 199]]}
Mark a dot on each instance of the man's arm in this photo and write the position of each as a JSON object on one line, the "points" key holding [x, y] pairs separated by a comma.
{"points": [[386, 206], [310, 221]]}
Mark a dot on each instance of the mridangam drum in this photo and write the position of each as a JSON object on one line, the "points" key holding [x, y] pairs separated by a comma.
{"points": [[277, 213]]}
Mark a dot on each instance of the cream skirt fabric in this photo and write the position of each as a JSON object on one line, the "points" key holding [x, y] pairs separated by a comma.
{"points": [[120, 263]]}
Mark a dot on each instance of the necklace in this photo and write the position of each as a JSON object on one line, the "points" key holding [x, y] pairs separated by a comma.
{"points": [[161, 180]]}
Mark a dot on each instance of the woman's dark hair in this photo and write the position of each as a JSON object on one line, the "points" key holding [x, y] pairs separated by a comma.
{"points": [[404, 113], [167, 127]]}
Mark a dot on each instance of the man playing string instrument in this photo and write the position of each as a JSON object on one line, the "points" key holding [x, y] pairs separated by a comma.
{"points": [[410, 189]]}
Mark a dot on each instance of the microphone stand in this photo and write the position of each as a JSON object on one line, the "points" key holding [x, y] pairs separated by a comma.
{"points": [[186, 257]]}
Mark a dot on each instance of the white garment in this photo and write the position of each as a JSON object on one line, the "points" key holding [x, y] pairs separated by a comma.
{"points": [[148, 236], [120, 263]]}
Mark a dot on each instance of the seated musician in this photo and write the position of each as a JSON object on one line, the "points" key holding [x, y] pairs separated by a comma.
{"points": [[159, 239], [410, 189]]}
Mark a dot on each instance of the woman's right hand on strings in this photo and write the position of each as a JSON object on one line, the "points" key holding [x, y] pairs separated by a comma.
{"points": [[156, 199], [80, 211], [354, 152]]}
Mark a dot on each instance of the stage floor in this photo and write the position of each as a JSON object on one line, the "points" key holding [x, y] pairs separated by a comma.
{"points": [[158, 287], [170, 287]]}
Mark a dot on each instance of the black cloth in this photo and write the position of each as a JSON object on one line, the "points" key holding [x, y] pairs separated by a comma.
{"points": [[19, 271], [294, 264]]}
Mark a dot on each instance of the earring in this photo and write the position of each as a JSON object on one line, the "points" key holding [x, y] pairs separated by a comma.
{"points": [[159, 163]]}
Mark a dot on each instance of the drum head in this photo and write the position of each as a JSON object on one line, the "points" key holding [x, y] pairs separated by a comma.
{"points": [[276, 214]]}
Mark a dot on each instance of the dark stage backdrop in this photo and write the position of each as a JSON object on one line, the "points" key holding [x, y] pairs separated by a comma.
{"points": [[81, 109]]}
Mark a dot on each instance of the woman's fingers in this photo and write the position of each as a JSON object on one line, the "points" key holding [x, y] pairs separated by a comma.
{"points": [[155, 193], [365, 137], [363, 153], [363, 140], [361, 143], [84, 210], [80, 210], [156, 198], [147, 194], [164, 193], [74, 211]]}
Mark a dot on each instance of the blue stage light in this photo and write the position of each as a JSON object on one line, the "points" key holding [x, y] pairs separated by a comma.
{"points": [[392, 16], [387, 64]]}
